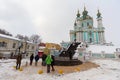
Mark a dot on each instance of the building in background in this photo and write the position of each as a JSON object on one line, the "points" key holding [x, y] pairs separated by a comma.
{"points": [[93, 43], [85, 31], [9, 46], [42, 46], [53, 47]]}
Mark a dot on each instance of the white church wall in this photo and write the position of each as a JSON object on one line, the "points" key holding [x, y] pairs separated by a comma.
{"points": [[98, 51]]}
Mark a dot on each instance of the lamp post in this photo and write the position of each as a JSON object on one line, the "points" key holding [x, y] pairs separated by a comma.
{"points": [[19, 46], [25, 47]]}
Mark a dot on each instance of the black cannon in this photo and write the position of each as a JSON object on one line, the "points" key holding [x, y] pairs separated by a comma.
{"points": [[65, 57]]}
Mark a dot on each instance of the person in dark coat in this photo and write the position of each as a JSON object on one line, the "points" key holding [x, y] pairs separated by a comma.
{"points": [[31, 59], [18, 61], [36, 59], [53, 62], [43, 59]]}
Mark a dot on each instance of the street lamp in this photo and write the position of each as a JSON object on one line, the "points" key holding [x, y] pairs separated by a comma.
{"points": [[25, 51], [20, 45]]}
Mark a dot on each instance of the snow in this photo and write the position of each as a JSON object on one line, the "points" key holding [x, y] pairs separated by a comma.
{"points": [[9, 37], [109, 70], [76, 55], [12, 38], [102, 48]]}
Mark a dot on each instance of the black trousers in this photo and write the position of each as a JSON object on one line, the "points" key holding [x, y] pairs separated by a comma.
{"points": [[36, 63], [43, 63], [31, 62], [18, 66], [48, 68], [52, 65]]}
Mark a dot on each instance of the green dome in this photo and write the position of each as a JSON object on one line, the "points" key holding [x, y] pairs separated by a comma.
{"points": [[98, 14], [85, 12], [78, 14]]}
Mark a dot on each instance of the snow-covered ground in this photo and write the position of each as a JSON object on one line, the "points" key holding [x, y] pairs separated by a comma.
{"points": [[101, 48], [109, 70]]}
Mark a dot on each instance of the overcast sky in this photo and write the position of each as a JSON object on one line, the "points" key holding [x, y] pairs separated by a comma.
{"points": [[52, 19]]}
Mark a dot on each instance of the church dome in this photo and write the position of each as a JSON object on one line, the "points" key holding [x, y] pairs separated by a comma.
{"points": [[98, 14], [85, 12], [78, 14]]}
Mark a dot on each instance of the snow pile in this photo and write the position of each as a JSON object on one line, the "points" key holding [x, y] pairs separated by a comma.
{"points": [[6, 69], [108, 70], [101, 48], [108, 64]]}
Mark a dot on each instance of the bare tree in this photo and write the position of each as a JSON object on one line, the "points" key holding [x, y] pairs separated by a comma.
{"points": [[35, 38], [19, 36], [22, 37], [26, 38], [2, 31]]}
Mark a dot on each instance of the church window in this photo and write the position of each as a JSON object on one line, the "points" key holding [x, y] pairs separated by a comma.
{"points": [[90, 33], [87, 24], [32, 47], [3, 44], [82, 25], [14, 44], [90, 40], [28, 47]]}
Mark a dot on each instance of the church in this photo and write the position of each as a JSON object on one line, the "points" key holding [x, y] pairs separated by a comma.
{"points": [[92, 38], [85, 31]]}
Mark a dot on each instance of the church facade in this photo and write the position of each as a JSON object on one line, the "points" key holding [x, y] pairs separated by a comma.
{"points": [[85, 31]]}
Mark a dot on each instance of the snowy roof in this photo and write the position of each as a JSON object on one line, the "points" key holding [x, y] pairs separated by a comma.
{"points": [[12, 38], [101, 48], [9, 37]]}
